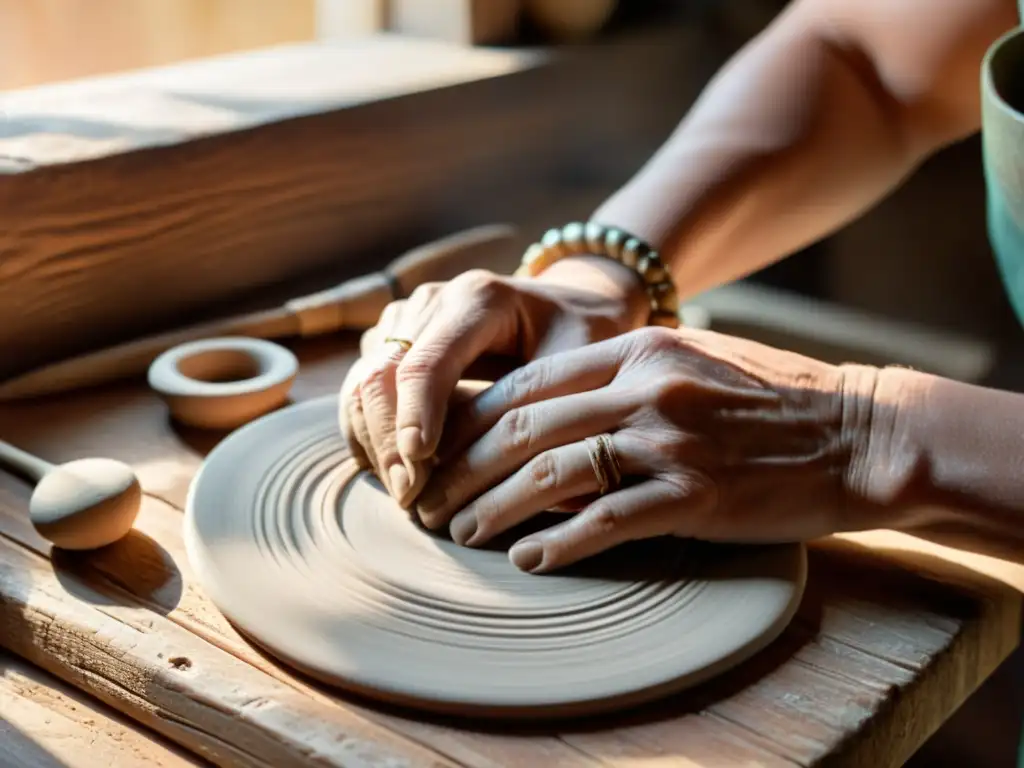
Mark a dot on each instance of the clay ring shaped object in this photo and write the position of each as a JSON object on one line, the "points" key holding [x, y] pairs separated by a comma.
{"points": [[315, 563], [223, 383]]}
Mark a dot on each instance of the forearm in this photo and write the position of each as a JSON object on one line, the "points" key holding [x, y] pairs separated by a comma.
{"points": [[953, 456], [795, 137]]}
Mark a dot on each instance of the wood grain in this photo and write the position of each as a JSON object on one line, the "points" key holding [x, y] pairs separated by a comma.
{"points": [[884, 648], [47, 724], [131, 203], [172, 681]]}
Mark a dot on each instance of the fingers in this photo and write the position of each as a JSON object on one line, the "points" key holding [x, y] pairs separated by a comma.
{"points": [[350, 416], [580, 370], [548, 480], [475, 314], [377, 397], [372, 408], [520, 435], [350, 411], [652, 508]]}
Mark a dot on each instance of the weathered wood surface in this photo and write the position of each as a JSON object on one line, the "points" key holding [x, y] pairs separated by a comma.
{"points": [[132, 202], [47, 724], [884, 648]]}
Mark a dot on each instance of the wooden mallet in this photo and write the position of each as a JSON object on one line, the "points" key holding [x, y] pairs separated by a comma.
{"points": [[353, 305]]}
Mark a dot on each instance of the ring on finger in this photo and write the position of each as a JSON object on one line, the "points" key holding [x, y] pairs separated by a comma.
{"points": [[405, 344], [604, 462], [550, 479]]}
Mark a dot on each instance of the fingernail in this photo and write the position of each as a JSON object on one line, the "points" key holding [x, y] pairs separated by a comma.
{"points": [[399, 477], [410, 443], [526, 555], [427, 517], [463, 527]]}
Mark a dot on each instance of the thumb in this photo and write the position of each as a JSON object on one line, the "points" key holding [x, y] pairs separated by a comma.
{"points": [[477, 316]]}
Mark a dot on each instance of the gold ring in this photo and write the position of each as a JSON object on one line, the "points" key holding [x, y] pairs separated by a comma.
{"points": [[405, 344], [604, 462]]}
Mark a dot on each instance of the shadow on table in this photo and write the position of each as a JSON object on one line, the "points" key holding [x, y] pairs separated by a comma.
{"points": [[19, 749], [134, 570], [68, 720]]}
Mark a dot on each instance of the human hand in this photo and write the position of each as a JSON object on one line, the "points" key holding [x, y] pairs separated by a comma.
{"points": [[715, 437], [395, 400]]}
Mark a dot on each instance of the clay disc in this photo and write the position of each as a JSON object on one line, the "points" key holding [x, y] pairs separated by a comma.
{"points": [[316, 564]]}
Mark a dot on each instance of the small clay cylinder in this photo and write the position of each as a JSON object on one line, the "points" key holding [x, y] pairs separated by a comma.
{"points": [[223, 383]]}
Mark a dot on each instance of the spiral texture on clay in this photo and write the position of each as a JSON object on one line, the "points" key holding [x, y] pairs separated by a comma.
{"points": [[317, 564]]}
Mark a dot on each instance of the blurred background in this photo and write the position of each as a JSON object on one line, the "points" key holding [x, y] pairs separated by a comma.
{"points": [[651, 56], [922, 255]]}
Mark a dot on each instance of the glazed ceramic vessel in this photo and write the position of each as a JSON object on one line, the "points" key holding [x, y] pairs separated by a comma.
{"points": [[1002, 88]]}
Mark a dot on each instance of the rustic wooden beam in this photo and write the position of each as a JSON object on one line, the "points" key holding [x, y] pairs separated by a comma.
{"points": [[128, 202], [46, 723]]}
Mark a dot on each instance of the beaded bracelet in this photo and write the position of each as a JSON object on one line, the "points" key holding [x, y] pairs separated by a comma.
{"points": [[578, 239]]}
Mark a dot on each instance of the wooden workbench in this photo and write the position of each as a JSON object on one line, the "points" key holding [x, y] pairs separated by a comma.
{"points": [[891, 637]]}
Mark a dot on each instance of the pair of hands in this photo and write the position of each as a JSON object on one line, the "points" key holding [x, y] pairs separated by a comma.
{"points": [[717, 438]]}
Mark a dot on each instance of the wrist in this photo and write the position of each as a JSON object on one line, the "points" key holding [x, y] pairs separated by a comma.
{"points": [[887, 480], [606, 277]]}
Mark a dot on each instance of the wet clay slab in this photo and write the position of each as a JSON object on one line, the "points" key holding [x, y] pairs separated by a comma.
{"points": [[314, 562]]}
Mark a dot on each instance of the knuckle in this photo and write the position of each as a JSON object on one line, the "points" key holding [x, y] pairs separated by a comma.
{"points": [[604, 521], [391, 310], [647, 344], [524, 383], [389, 315], [425, 292], [657, 337], [666, 393], [481, 282], [543, 471], [651, 341], [375, 375], [415, 366], [679, 449], [515, 429]]}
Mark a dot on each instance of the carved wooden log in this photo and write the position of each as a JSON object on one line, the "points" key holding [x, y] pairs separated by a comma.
{"points": [[135, 202]]}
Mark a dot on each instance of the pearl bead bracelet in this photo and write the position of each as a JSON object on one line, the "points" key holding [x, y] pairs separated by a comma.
{"points": [[578, 239]]}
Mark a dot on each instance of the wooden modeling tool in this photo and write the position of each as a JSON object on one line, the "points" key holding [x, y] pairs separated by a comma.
{"points": [[83, 504], [355, 304]]}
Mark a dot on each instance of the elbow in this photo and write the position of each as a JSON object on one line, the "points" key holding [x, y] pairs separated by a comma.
{"points": [[920, 64]]}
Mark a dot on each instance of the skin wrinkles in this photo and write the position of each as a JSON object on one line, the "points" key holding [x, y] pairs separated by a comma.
{"points": [[817, 119]]}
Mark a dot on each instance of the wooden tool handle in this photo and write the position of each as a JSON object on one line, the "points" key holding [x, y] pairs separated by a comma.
{"points": [[355, 304], [358, 303], [23, 463]]}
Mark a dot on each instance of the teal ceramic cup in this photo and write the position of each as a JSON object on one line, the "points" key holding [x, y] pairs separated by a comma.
{"points": [[1002, 134]]}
